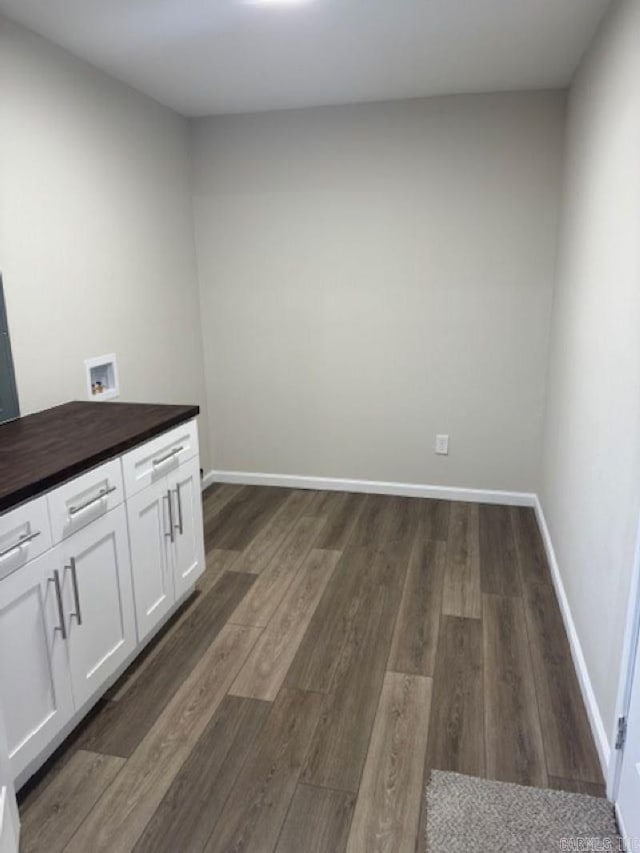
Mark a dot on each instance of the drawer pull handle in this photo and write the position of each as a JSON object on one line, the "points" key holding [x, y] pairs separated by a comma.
{"points": [[26, 537], [179, 526], [73, 510], [167, 456], [55, 580], [76, 594], [170, 533]]}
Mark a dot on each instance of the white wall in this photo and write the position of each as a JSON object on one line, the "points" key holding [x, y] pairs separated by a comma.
{"points": [[96, 231], [373, 275], [591, 474]]}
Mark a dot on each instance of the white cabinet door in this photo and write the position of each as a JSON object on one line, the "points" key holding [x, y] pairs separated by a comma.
{"points": [[149, 535], [98, 598], [36, 689], [188, 544]]}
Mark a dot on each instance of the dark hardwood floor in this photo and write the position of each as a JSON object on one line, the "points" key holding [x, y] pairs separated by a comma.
{"points": [[337, 648]]}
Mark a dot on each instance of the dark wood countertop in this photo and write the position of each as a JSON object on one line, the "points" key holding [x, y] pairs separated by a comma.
{"points": [[43, 450]]}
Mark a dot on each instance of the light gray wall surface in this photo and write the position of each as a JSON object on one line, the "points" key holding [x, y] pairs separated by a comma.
{"points": [[96, 231], [591, 474], [373, 275]]}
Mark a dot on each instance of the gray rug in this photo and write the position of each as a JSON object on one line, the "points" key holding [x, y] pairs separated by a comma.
{"points": [[469, 814]]}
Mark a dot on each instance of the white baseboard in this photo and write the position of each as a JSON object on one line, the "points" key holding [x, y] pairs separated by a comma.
{"points": [[207, 480], [375, 487], [593, 711]]}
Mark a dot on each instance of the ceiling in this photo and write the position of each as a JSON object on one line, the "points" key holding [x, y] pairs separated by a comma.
{"points": [[203, 57]]}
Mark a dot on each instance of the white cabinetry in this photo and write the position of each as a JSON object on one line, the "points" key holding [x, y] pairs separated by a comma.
{"points": [[167, 547], [188, 534], [152, 461], [66, 625], [34, 672], [84, 499], [148, 514], [24, 535], [85, 577], [101, 627]]}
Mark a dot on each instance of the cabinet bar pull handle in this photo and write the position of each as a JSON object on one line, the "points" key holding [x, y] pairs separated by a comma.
{"points": [[55, 580], [179, 525], [101, 494], [170, 533], [76, 594], [168, 455], [26, 537]]}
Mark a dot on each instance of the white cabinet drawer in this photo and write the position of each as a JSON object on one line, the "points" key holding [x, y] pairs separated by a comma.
{"points": [[150, 462], [24, 534], [84, 499]]}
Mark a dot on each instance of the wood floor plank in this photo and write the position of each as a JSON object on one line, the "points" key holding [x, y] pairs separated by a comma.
{"points": [[121, 725], [316, 660], [339, 747], [124, 810], [384, 519], [241, 519], [532, 559], [461, 595], [342, 516], [415, 638], [256, 808], [263, 547], [513, 739], [325, 503], [456, 728], [150, 651], [388, 805], [575, 786], [218, 496], [568, 744], [54, 815], [498, 561], [318, 821], [266, 667], [189, 810], [370, 525], [401, 520], [260, 603], [435, 516], [218, 561]]}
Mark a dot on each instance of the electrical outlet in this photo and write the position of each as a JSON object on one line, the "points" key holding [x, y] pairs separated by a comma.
{"points": [[442, 445]]}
